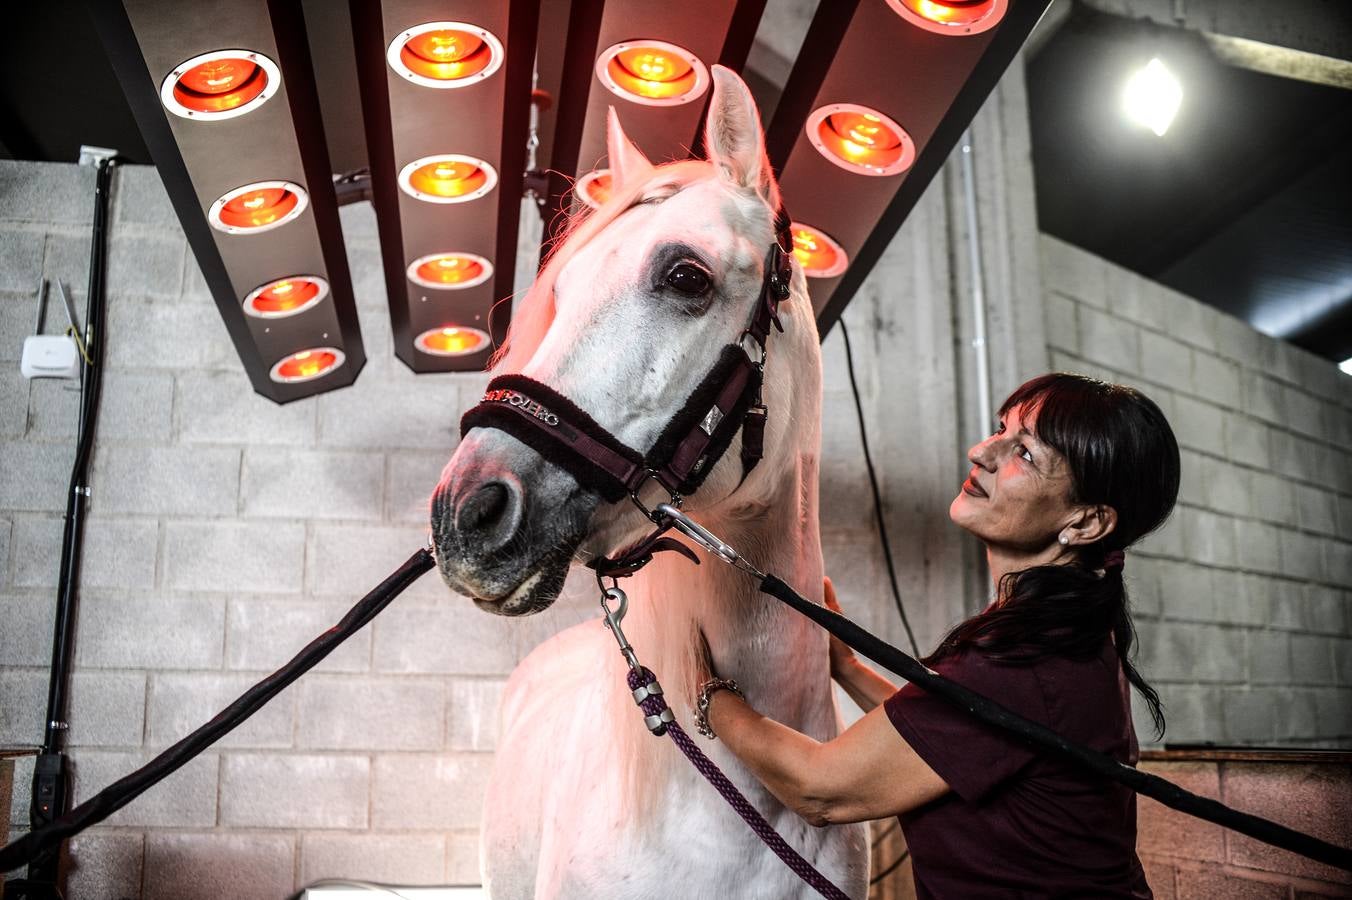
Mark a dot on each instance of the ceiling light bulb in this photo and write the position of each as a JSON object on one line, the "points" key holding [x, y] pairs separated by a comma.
{"points": [[1152, 97]]}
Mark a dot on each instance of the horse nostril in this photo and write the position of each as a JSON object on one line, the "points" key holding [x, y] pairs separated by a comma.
{"points": [[489, 514]]}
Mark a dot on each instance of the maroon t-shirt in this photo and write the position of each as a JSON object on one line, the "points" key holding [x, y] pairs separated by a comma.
{"points": [[1019, 822]]}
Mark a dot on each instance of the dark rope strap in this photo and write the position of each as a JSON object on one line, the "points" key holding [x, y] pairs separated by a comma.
{"points": [[121, 792], [992, 713], [654, 705]]}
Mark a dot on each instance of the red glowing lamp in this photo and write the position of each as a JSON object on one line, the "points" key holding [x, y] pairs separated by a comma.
{"points": [[951, 17], [258, 207], [307, 365], [860, 139], [220, 85], [450, 271], [653, 73], [445, 54], [817, 252], [286, 296], [594, 188], [447, 178], [452, 340]]}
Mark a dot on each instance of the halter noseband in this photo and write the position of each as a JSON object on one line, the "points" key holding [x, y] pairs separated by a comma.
{"points": [[694, 439]]}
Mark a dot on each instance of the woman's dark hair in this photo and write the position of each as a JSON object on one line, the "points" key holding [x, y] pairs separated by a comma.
{"points": [[1121, 453]]}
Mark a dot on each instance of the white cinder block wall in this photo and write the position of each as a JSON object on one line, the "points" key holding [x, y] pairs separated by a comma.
{"points": [[1244, 599]]}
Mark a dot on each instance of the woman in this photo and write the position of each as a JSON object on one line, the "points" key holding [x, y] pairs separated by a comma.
{"points": [[1077, 472]]}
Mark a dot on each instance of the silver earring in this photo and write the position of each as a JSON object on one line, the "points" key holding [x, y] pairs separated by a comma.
{"points": [[1063, 539]]}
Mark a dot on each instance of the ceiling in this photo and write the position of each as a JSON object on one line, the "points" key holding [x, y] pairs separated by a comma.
{"points": [[1246, 202]]}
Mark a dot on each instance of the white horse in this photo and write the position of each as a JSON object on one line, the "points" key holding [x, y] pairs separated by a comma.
{"points": [[583, 801]]}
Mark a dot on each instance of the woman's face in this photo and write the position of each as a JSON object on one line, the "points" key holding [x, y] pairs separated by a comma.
{"points": [[1018, 494]]}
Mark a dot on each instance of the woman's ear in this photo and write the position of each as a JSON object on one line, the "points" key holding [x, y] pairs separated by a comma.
{"points": [[1090, 525], [628, 165], [733, 138]]}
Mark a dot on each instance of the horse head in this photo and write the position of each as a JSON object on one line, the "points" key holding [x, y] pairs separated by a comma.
{"points": [[626, 320]]}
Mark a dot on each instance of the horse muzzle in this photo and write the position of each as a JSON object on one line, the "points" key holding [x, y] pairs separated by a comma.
{"points": [[506, 525]]}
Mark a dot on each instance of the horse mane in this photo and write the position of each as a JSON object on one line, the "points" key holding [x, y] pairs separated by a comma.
{"points": [[533, 315]]}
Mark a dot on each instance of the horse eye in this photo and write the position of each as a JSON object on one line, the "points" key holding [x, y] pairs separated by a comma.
{"points": [[688, 279]]}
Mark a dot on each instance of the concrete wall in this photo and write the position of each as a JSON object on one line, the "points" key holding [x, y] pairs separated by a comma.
{"points": [[1244, 599]]}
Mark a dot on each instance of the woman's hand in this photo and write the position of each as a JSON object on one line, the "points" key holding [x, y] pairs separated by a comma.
{"points": [[842, 657]]}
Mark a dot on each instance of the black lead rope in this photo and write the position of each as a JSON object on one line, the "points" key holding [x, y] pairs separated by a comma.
{"points": [[992, 713], [118, 794]]}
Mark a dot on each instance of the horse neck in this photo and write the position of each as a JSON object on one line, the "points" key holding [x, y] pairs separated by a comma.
{"points": [[777, 656]]}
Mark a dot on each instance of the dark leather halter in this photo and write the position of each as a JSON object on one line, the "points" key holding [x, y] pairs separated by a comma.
{"points": [[693, 441]]}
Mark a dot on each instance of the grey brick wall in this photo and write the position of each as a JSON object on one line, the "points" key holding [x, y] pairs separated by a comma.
{"points": [[1244, 599]]}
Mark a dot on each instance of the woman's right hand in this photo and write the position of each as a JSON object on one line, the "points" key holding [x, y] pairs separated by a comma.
{"points": [[842, 657]]}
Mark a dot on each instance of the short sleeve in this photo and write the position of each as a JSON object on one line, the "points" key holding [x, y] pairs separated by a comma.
{"points": [[971, 757]]}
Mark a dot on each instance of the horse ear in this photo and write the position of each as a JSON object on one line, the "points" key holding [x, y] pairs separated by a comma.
{"points": [[627, 163], [733, 136]]}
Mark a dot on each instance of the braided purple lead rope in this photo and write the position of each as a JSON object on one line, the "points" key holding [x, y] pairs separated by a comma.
{"points": [[653, 705]]}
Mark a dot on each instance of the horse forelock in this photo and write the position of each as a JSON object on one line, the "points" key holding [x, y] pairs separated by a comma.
{"points": [[533, 315]]}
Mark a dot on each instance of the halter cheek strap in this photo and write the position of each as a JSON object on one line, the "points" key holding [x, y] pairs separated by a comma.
{"points": [[691, 443]]}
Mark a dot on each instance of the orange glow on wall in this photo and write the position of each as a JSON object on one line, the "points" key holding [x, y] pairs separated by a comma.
{"points": [[594, 188], [448, 178], [952, 17], [860, 139], [307, 365], [286, 296], [652, 72], [817, 252], [452, 340], [258, 207], [220, 85], [450, 271], [445, 54]]}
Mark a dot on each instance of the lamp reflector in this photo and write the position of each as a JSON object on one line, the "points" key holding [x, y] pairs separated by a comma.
{"points": [[220, 85], [860, 139], [307, 365], [258, 207], [447, 178], [952, 17], [654, 73], [452, 340], [593, 188], [286, 296], [817, 252], [450, 271], [445, 54]]}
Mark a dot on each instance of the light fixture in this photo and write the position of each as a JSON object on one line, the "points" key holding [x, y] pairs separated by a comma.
{"points": [[1346, 366], [860, 139], [307, 365], [452, 340], [258, 207], [593, 188], [447, 178], [1152, 96], [817, 252], [286, 296], [450, 271], [653, 73], [951, 17], [445, 54], [220, 85]]}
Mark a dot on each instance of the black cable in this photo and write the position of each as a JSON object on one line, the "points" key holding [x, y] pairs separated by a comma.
{"points": [[121, 792], [905, 855], [877, 495], [992, 713]]}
